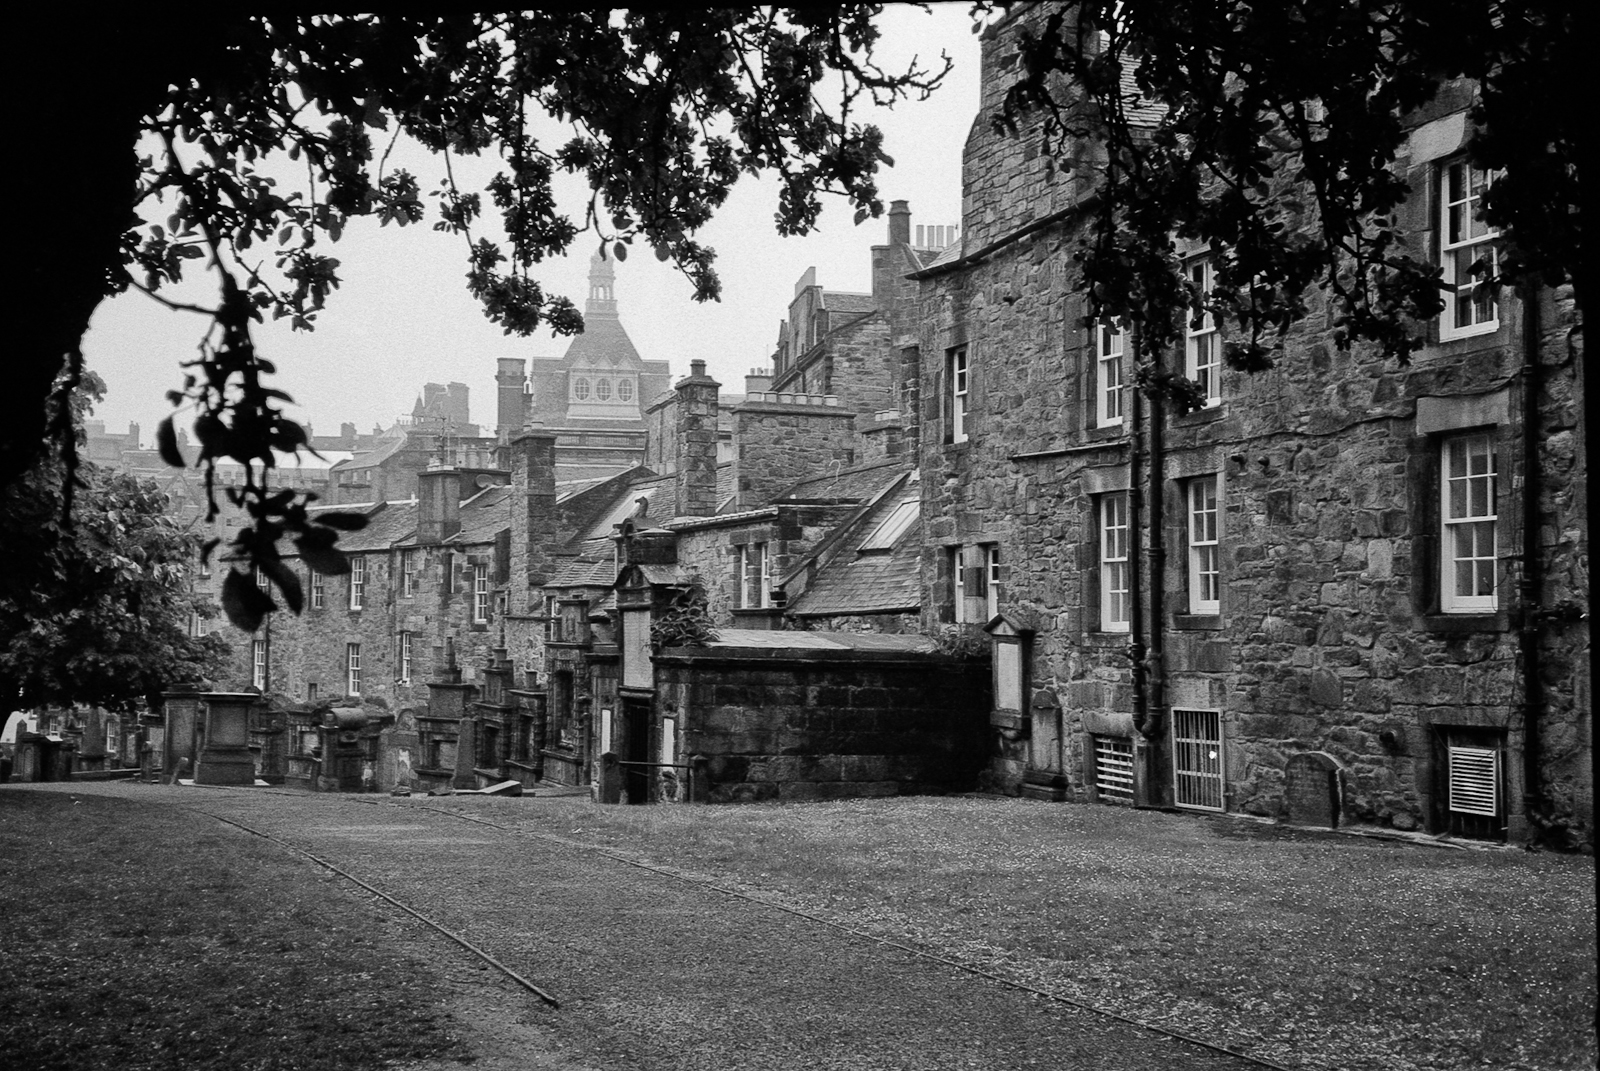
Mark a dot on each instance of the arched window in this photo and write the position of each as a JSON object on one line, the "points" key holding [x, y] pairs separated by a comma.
{"points": [[580, 388], [625, 390], [602, 389]]}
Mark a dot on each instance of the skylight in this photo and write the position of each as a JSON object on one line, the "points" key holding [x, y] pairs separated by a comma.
{"points": [[887, 534]]}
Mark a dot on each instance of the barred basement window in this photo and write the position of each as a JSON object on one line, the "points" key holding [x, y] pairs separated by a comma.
{"points": [[1113, 767], [1197, 759]]}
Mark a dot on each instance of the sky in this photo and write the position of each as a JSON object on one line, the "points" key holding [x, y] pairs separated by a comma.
{"points": [[402, 316]]}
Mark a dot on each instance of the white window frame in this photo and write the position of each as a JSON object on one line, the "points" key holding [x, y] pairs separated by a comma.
{"points": [[960, 393], [958, 583], [408, 573], [1467, 513], [1202, 344], [1114, 536], [480, 594], [319, 590], [258, 664], [580, 388], [1460, 247], [625, 389], [405, 658], [352, 668], [551, 626], [755, 567], [1204, 509], [991, 593], [602, 389], [1110, 373], [358, 580], [1199, 768]]}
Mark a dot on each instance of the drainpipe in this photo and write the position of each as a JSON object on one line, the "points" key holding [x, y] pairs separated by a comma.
{"points": [[1531, 581], [1136, 648], [1151, 725]]}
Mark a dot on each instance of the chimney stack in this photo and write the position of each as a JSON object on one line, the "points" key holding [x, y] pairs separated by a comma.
{"points": [[759, 381], [899, 223], [533, 514], [696, 478], [438, 504], [510, 373]]}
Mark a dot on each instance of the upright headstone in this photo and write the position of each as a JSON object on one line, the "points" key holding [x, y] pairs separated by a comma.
{"points": [[1311, 795]]}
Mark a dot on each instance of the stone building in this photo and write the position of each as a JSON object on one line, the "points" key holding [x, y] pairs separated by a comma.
{"points": [[1352, 582], [593, 396]]}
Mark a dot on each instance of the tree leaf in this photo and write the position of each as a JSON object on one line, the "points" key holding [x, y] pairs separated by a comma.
{"points": [[288, 582], [167, 444], [245, 604], [345, 522]]}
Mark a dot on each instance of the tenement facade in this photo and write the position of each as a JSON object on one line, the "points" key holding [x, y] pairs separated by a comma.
{"points": [[1341, 590]]}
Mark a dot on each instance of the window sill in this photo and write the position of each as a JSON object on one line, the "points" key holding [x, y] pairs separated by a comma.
{"points": [[1198, 622], [1111, 433], [1461, 623], [1201, 416]]}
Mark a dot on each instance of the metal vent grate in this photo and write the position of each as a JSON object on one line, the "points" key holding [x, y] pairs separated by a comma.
{"points": [[1475, 780], [1113, 767]]}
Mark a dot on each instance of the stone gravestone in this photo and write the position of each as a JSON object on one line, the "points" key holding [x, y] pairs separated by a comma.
{"points": [[1311, 794]]}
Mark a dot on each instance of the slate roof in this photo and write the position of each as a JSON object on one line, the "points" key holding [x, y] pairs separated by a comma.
{"points": [[777, 640], [484, 515], [603, 343], [856, 484], [578, 573], [846, 302], [388, 523], [853, 581]]}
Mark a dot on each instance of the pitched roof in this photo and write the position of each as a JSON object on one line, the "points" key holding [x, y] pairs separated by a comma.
{"points": [[773, 639], [855, 581], [851, 485], [484, 515]]}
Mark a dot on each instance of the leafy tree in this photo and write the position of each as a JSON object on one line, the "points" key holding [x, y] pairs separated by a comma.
{"points": [[1205, 113], [95, 603], [166, 118]]}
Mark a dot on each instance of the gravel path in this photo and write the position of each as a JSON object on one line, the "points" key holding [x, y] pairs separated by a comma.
{"points": [[654, 972]]}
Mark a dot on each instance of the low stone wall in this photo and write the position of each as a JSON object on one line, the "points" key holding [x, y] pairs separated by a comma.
{"points": [[805, 725]]}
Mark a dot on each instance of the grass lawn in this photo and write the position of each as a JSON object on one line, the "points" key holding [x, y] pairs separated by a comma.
{"points": [[1306, 948], [136, 936]]}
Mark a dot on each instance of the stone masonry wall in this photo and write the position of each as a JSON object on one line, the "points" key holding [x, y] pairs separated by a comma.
{"points": [[1329, 637], [777, 726], [709, 555], [777, 444]]}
